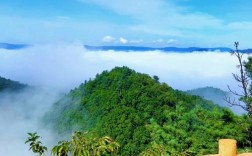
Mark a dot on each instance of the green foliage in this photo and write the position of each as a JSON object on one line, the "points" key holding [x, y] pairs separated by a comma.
{"points": [[35, 144], [144, 115], [154, 150], [248, 68], [82, 145], [197, 131]]}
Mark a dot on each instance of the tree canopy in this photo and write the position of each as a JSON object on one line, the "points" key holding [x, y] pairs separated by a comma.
{"points": [[144, 115]]}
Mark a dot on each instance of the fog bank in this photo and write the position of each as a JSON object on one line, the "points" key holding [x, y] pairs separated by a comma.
{"points": [[20, 113], [66, 66]]}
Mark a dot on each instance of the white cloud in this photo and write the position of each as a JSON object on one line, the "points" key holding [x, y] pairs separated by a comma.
{"points": [[171, 41], [131, 8], [59, 29], [108, 39], [65, 66], [164, 42], [158, 41], [146, 19], [165, 18], [123, 40], [151, 12]]}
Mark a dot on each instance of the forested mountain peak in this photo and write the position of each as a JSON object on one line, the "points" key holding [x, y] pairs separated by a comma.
{"points": [[140, 113]]}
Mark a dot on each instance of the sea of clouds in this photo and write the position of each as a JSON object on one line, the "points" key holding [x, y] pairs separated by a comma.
{"points": [[54, 69], [66, 66]]}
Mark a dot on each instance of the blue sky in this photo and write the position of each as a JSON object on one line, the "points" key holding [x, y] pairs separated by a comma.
{"points": [[143, 22]]}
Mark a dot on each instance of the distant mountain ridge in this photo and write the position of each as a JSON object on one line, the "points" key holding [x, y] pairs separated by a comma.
{"points": [[11, 46], [10, 85], [217, 96], [165, 49], [210, 93]]}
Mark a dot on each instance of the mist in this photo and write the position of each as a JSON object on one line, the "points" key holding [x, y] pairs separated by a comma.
{"points": [[54, 69], [64, 66], [20, 113]]}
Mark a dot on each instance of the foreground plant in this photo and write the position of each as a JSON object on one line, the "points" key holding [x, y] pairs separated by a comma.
{"points": [[35, 144], [81, 144], [154, 150]]}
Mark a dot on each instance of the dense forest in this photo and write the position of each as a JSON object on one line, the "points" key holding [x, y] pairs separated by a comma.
{"points": [[146, 117]]}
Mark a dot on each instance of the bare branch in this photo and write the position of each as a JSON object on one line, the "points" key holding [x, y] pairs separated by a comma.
{"points": [[243, 82], [234, 102], [233, 92]]}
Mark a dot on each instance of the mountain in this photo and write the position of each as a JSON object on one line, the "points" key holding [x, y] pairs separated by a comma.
{"points": [[11, 46], [144, 115], [165, 49], [9, 85], [211, 93], [217, 96]]}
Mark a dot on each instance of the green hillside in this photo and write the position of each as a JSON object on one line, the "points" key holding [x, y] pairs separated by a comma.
{"points": [[9, 85], [144, 115]]}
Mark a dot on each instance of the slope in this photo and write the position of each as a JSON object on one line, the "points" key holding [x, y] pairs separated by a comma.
{"points": [[128, 106]]}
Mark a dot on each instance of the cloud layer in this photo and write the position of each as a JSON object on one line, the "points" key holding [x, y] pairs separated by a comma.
{"points": [[66, 66], [160, 18], [20, 113]]}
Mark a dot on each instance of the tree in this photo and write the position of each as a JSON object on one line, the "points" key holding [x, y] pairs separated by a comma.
{"points": [[244, 82], [81, 144], [154, 150], [36, 145], [195, 132], [156, 78]]}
